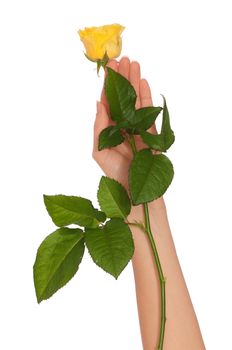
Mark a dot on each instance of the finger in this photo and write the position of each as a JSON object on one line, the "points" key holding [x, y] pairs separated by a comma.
{"points": [[146, 99], [134, 77], [124, 67], [145, 93], [114, 65], [101, 122]]}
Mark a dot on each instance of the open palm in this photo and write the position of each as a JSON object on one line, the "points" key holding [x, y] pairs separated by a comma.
{"points": [[115, 161]]}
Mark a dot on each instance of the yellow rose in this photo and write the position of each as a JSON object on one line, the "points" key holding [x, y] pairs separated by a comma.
{"points": [[102, 42]]}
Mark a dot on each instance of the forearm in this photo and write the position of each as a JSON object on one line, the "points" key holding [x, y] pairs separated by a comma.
{"points": [[182, 330]]}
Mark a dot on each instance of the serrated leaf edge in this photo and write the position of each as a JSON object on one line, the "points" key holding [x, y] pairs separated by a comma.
{"points": [[72, 211], [120, 217], [41, 298], [96, 261]]}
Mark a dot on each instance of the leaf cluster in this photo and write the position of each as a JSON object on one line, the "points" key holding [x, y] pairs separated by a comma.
{"points": [[104, 232], [150, 174]]}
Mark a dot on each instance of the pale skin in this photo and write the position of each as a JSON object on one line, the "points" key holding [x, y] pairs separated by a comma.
{"points": [[182, 329]]}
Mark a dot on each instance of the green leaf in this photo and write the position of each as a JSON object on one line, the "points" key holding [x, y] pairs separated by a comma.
{"points": [[121, 96], [57, 261], [166, 130], [110, 137], [143, 119], [163, 141], [66, 210], [100, 215], [153, 141], [149, 176], [113, 198], [111, 246]]}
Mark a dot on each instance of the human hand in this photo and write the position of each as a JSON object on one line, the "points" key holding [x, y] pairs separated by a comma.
{"points": [[115, 161]]}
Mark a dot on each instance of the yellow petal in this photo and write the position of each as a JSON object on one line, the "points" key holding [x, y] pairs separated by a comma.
{"points": [[99, 40]]}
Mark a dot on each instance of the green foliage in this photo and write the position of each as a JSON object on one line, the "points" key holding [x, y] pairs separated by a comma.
{"points": [[57, 261], [153, 141], [110, 137], [113, 198], [143, 119], [121, 96], [165, 139], [66, 210], [110, 243], [166, 130], [149, 176], [110, 246], [100, 215]]}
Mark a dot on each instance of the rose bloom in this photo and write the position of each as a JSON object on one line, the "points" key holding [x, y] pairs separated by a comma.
{"points": [[99, 41]]}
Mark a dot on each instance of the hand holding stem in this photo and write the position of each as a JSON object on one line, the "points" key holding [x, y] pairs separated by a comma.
{"points": [[115, 162]]}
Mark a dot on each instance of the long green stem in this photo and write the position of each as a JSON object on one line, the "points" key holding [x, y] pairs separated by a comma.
{"points": [[161, 277], [157, 261]]}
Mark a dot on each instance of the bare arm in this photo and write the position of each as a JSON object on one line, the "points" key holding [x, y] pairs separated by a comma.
{"points": [[182, 330]]}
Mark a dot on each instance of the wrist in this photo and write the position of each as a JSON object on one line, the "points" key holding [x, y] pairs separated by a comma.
{"points": [[137, 211]]}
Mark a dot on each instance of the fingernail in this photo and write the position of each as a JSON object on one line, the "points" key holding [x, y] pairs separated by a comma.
{"points": [[124, 58], [98, 107]]}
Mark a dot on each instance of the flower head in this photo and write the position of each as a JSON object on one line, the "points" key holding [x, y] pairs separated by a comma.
{"points": [[102, 43]]}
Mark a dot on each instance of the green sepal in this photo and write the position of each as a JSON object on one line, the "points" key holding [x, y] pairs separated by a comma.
{"points": [[100, 62], [90, 59]]}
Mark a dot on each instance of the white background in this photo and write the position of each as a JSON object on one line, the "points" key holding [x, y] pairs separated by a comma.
{"points": [[48, 92]]}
